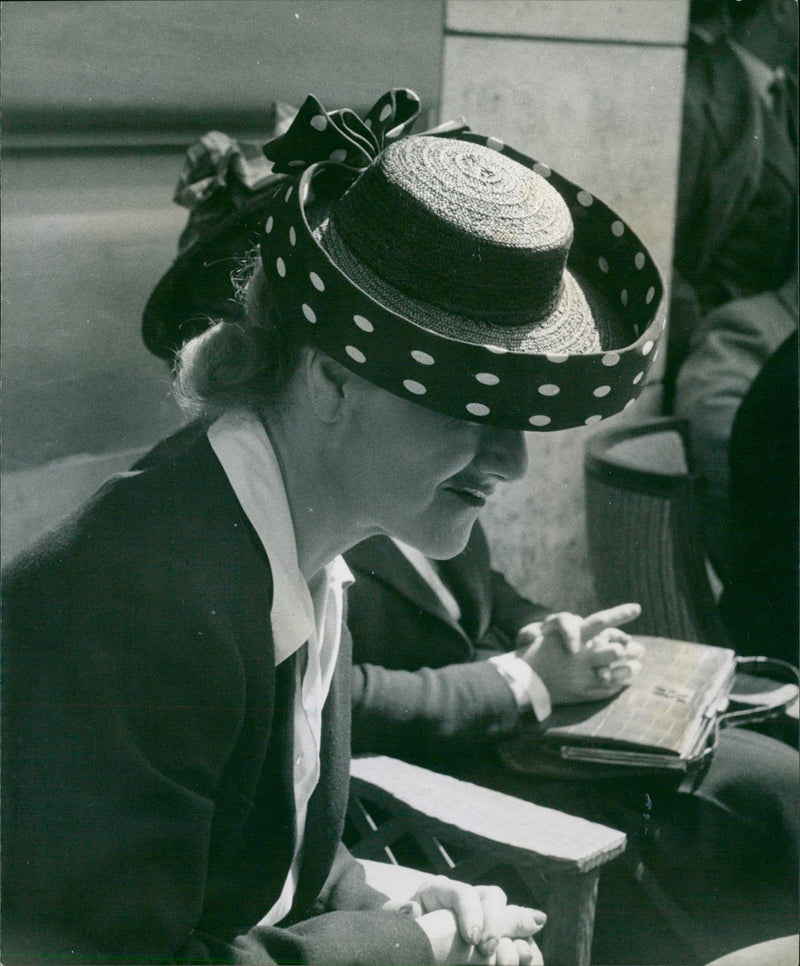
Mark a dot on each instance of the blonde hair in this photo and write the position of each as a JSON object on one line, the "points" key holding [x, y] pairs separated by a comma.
{"points": [[237, 362]]}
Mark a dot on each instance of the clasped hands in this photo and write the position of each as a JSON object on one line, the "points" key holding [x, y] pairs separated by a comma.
{"points": [[473, 924], [582, 659]]}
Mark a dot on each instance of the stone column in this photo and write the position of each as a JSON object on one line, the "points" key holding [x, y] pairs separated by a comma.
{"points": [[594, 89]]}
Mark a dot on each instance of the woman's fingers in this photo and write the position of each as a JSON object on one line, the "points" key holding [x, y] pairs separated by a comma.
{"points": [[408, 907], [618, 673], [569, 627], [522, 922], [507, 953], [575, 631], [463, 900], [518, 952], [494, 903], [613, 617]]}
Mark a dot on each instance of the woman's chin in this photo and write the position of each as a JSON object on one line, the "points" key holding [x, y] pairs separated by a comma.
{"points": [[442, 545]]}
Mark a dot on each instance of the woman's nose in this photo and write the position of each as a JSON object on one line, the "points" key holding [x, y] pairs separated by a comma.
{"points": [[503, 453]]}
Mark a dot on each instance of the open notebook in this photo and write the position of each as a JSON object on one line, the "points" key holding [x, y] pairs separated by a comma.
{"points": [[663, 719]]}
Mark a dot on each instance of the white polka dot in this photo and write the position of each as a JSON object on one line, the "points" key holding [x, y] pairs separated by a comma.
{"points": [[548, 389], [487, 378], [592, 419], [494, 144], [617, 228], [316, 281], [478, 409], [585, 198], [495, 349], [602, 391], [650, 295], [637, 378], [542, 169], [288, 194], [422, 357], [281, 267], [610, 359], [557, 357], [639, 260], [623, 296], [416, 387], [319, 122], [309, 313], [292, 236], [386, 112], [355, 354], [647, 348], [539, 420], [338, 155], [269, 224], [364, 324], [603, 264], [297, 163]]}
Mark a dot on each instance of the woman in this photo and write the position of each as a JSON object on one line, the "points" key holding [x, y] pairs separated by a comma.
{"points": [[177, 667]]}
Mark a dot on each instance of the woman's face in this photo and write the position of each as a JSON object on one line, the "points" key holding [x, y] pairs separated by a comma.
{"points": [[423, 477]]}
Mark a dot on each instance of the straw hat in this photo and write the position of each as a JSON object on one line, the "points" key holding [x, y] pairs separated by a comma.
{"points": [[446, 268], [454, 271]]}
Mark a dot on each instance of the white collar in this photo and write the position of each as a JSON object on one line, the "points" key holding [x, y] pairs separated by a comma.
{"points": [[244, 449]]}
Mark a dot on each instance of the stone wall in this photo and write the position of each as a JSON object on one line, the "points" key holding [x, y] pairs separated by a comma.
{"points": [[594, 89]]}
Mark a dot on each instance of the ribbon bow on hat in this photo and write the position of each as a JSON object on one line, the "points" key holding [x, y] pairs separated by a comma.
{"points": [[319, 135]]}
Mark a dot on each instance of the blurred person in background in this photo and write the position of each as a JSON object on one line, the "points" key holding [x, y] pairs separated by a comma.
{"points": [[736, 221], [760, 601], [727, 351]]}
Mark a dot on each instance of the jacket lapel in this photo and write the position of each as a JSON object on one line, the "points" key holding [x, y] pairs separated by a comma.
{"points": [[380, 556]]}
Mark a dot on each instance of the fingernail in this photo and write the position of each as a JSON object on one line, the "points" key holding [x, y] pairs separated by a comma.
{"points": [[475, 935], [540, 917], [489, 947], [407, 909]]}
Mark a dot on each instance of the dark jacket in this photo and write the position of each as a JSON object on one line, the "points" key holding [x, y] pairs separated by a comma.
{"points": [[148, 812], [725, 153], [420, 682]]}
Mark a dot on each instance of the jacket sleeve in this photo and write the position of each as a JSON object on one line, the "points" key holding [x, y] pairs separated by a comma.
{"points": [[413, 713]]}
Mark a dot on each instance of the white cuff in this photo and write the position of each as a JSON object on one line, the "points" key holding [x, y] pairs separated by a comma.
{"points": [[527, 687]]}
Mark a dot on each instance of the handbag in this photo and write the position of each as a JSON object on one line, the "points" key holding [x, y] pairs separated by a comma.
{"points": [[667, 720]]}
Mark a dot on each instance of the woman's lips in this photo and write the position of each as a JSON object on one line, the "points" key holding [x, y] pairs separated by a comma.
{"points": [[471, 495]]}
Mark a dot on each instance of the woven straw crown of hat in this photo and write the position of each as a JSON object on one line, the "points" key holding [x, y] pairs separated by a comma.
{"points": [[468, 243]]}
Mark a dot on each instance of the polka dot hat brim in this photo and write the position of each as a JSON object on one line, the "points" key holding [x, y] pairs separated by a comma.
{"points": [[495, 374]]}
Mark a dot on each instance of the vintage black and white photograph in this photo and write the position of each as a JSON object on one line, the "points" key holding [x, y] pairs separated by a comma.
{"points": [[399, 483]]}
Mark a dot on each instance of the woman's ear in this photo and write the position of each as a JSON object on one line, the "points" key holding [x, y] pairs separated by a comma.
{"points": [[327, 382]]}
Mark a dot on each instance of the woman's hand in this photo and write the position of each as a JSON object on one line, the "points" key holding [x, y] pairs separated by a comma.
{"points": [[482, 926], [582, 659]]}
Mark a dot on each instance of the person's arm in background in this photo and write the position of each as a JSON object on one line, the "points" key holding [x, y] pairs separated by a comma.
{"points": [[727, 352], [412, 713]]}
